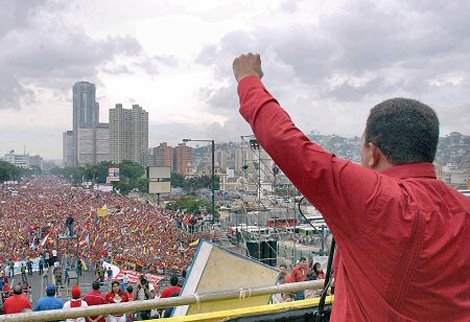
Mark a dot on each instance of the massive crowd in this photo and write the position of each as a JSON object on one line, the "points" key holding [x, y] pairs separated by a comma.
{"points": [[107, 226]]}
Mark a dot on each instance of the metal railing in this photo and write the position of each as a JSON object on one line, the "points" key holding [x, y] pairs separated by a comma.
{"points": [[136, 306]]}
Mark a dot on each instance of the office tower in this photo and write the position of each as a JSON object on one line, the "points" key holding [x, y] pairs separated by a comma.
{"points": [[164, 155], [68, 149], [19, 160], [182, 159], [85, 116], [128, 133], [221, 158], [240, 159], [93, 144], [36, 161]]}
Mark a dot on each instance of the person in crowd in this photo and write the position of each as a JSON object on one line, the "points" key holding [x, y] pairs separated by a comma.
{"points": [[172, 289], [390, 212], [49, 302], [125, 280], [79, 266], [116, 296], [144, 293], [29, 266], [109, 273], [317, 270], [299, 274], [17, 302], [131, 296], [75, 302], [95, 297], [23, 272], [41, 266], [285, 271]]}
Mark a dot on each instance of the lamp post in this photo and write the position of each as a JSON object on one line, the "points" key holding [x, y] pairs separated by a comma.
{"points": [[212, 174]]}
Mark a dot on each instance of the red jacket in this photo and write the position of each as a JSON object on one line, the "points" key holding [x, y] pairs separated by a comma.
{"points": [[402, 235], [299, 274], [170, 291], [95, 297], [16, 304]]}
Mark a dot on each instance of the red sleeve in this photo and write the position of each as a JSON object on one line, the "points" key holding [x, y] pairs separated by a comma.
{"points": [[329, 183]]}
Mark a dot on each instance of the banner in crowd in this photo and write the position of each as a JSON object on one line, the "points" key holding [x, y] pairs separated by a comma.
{"points": [[134, 276]]}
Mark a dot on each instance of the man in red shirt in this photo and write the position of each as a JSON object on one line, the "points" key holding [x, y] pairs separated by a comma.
{"points": [[173, 290], [299, 274], [95, 297], [17, 302], [393, 221]]}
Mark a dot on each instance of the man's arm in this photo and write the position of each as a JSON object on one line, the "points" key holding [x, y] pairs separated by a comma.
{"points": [[341, 190]]}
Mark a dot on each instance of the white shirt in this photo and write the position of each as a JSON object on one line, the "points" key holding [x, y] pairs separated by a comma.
{"points": [[67, 307], [125, 278]]}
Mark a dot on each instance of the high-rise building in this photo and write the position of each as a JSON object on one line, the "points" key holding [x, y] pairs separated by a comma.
{"points": [[93, 144], [221, 158], [36, 161], [85, 115], [128, 133], [68, 149], [164, 155], [182, 158], [19, 160]]}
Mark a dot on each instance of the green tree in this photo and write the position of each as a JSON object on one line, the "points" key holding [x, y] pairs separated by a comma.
{"points": [[131, 170], [177, 180], [9, 172], [190, 205]]}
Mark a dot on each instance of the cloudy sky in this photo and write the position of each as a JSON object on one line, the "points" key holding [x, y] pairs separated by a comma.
{"points": [[327, 62]]}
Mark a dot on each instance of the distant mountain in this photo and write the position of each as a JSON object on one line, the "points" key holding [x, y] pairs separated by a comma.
{"points": [[453, 148]]}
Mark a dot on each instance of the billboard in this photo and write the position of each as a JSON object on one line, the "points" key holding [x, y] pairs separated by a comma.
{"points": [[113, 174], [154, 173], [159, 187]]}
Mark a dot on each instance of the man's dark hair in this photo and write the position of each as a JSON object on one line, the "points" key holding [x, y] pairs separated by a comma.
{"points": [[50, 292], [129, 289], [17, 290], [95, 285], [405, 130], [174, 280]]}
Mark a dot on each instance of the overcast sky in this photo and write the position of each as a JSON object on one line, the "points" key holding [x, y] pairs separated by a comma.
{"points": [[327, 62]]}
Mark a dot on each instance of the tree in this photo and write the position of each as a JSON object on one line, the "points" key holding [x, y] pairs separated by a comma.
{"points": [[189, 205], [131, 170], [177, 180], [9, 172]]}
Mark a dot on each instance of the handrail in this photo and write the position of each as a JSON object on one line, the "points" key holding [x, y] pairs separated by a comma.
{"points": [[146, 305]]}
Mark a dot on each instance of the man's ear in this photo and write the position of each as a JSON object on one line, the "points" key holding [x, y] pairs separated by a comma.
{"points": [[376, 156], [378, 160]]}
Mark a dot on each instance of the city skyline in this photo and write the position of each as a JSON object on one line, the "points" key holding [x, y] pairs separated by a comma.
{"points": [[328, 63]]}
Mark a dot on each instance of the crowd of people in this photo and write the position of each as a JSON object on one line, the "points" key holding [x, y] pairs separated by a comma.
{"points": [[305, 270], [47, 214], [19, 302], [118, 228]]}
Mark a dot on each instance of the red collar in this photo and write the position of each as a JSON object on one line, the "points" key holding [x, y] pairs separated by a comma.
{"points": [[411, 170]]}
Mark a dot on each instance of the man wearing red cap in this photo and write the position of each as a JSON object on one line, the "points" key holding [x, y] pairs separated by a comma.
{"points": [[75, 302]]}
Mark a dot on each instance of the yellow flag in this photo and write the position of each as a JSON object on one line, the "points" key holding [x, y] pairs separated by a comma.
{"points": [[194, 243], [102, 212]]}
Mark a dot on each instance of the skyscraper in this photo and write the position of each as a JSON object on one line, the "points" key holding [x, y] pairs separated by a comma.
{"points": [[88, 142], [68, 149], [128, 133], [183, 158], [164, 155], [85, 115]]}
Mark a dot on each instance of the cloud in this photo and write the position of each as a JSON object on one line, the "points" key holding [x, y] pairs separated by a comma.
{"points": [[355, 55], [51, 53]]}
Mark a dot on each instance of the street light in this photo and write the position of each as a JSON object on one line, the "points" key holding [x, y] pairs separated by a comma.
{"points": [[212, 174]]}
